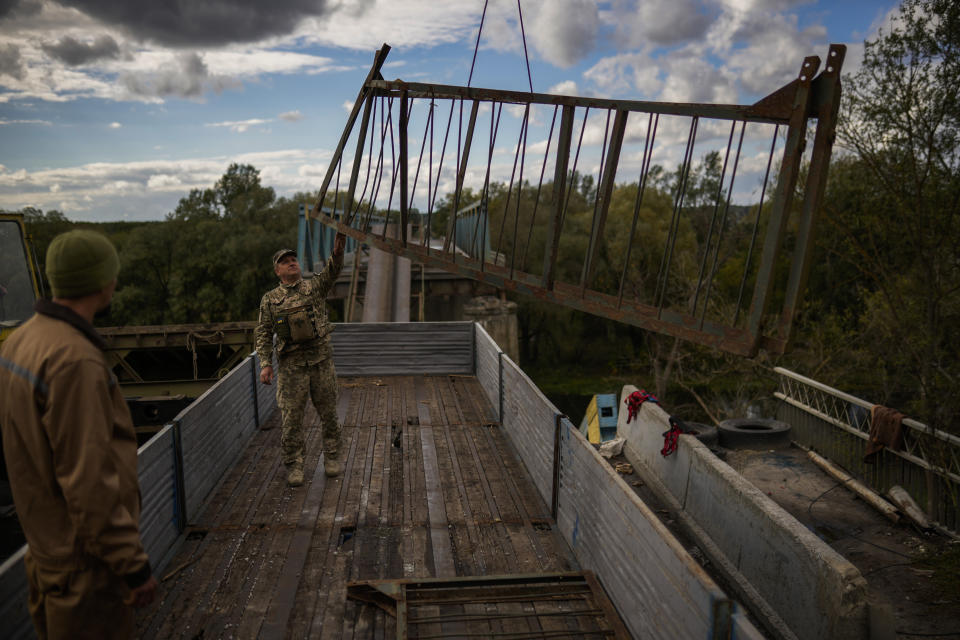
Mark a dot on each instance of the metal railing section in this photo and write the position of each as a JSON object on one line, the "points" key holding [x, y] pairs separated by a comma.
{"points": [[559, 228], [838, 425]]}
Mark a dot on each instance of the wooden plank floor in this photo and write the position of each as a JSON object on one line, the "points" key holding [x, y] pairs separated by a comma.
{"points": [[431, 488]]}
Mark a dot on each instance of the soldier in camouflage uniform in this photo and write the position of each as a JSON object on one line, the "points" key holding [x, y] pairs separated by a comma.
{"points": [[296, 312]]}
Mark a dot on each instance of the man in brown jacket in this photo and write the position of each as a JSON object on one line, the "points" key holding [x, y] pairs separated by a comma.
{"points": [[71, 453]]}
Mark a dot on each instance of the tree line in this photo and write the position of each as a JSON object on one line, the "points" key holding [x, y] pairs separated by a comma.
{"points": [[878, 320]]}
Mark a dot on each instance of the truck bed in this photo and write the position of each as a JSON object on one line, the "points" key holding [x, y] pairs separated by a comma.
{"points": [[431, 489]]}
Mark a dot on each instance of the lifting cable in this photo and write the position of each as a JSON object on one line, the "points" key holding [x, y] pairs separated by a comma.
{"points": [[523, 36]]}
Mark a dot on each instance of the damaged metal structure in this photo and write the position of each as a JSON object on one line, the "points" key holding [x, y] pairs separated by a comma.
{"points": [[684, 299]]}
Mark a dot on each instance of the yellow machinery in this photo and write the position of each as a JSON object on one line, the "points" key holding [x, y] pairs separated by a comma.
{"points": [[19, 283]]}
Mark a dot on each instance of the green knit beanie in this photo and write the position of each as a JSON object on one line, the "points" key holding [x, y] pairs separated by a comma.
{"points": [[81, 262]]}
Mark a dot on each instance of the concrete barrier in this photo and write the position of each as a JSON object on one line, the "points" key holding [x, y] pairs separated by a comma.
{"points": [[796, 582]]}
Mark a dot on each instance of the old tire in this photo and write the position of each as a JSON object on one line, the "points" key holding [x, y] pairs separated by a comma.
{"points": [[705, 433], [754, 433]]}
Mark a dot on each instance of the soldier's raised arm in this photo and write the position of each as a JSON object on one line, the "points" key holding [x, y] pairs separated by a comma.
{"points": [[325, 280]]}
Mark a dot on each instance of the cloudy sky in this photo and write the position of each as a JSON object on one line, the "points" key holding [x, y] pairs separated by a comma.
{"points": [[114, 110]]}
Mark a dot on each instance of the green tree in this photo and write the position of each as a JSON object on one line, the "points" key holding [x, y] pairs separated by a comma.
{"points": [[895, 208]]}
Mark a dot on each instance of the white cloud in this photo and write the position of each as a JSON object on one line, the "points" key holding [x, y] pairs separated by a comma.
{"points": [[163, 181], [115, 125], [149, 189], [240, 126], [565, 88], [404, 24], [564, 31], [4, 121], [687, 79], [291, 116], [660, 22], [627, 73]]}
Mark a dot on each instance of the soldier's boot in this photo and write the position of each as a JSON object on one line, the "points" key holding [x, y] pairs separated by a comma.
{"points": [[295, 476], [331, 466]]}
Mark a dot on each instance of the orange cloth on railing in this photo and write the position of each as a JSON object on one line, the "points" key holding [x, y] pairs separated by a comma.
{"points": [[886, 431]]}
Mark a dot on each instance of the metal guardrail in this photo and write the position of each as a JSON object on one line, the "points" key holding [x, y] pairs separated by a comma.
{"points": [[837, 425]]}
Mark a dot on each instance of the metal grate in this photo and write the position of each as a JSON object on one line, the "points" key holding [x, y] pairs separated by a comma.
{"points": [[559, 605]]}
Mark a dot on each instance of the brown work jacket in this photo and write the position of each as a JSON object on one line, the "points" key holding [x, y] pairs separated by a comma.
{"points": [[70, 447]]}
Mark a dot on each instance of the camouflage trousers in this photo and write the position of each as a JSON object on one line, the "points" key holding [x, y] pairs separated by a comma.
{"points": [[295, 381]]}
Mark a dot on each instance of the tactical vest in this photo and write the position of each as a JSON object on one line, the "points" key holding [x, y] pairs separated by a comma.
{"points": [[297, 319], [296, 324]]}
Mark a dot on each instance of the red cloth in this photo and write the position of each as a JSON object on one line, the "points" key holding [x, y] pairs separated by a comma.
{"points": [[886, 431], [670, 438], [635, 400]]}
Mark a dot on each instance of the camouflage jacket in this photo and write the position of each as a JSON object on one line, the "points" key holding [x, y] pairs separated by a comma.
{"points": [[308, 293]]}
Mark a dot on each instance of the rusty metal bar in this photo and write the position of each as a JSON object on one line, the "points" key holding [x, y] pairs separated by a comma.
{"points": [[443, 151], [379, 58], [651, 136], [756, 227], [604, 193], [663, 273], [404, 201], [723, 223], [461, 173], [782, 199], [479, 229], [713, 222], [536, 200], [462, 617], [518, 635], [766, 110], [357, 160], [826, 103], [554, 223]]}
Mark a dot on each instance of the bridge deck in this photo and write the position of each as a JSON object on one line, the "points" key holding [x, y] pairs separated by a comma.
{"points": [[431, 488]]}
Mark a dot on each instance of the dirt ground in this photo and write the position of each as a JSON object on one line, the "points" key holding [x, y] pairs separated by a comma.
{"points": [[904, 567]]}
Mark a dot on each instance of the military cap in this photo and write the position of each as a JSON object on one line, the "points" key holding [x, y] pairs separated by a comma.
{"points": [[280, 255]]}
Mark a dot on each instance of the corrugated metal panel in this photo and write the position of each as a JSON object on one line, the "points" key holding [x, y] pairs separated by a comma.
{"points": [[213, 431], [529, 420], [657, 587], [488, 366], [743, 629], [156, 473], [403, 348], [13, 598], [266, 394]]}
